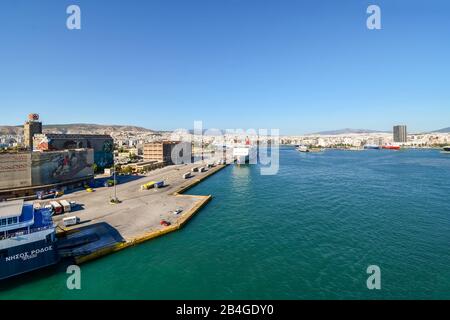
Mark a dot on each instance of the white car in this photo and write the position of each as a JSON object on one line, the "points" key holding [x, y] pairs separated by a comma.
{"points": [[178, 211]]}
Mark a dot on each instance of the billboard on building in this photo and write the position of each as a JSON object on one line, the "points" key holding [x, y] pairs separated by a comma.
{"points": [[15, 170], [60, 166]]}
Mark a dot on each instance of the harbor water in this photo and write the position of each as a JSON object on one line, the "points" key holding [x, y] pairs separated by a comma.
{"points": [[309, 232]]}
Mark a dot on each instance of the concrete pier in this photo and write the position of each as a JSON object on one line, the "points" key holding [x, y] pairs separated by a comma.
{"points": [[137, 218]]}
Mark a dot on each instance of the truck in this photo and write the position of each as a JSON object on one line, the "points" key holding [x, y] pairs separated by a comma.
{"points": [[159, 184], [66, 205], [148, 186], [187, 175], [70, 221], [57, 208]]}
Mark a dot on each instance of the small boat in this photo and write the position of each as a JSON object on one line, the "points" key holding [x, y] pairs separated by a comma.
{"points": [[390, 147], [372, 147], [306, 149], [355, 149], [446, 149]]}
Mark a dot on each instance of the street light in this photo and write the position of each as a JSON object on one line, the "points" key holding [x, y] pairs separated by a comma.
{"points": [[115, 200]]}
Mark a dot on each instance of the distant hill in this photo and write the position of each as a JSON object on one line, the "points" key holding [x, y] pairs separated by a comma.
{"points": [[78, 128], [445, 130], [13, 130], [347, 131]]}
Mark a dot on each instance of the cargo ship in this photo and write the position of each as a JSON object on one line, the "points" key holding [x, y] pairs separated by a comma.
{"points": [[27, 238]]}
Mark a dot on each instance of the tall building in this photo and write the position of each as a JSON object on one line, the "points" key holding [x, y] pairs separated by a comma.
{"points": [[400, 134], [30, 128], [162, 151]]}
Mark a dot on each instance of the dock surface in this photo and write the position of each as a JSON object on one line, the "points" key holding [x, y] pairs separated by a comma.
{"points": [[137, 218]]}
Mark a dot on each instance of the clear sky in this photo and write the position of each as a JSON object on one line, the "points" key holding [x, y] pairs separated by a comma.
{"points": [[300, 66]]}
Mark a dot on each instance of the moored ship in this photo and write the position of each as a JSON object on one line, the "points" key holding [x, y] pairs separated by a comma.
{"points": [[244, 153], [27, 239], [391, 147], [446, 149], [372, 147], [309, 149]]}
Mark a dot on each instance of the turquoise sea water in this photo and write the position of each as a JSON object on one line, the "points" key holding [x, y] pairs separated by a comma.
{"points": [[308, 232]]}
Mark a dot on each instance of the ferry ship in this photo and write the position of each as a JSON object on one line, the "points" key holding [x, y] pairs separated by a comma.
{"points": [[27, 238], [244, 153]]}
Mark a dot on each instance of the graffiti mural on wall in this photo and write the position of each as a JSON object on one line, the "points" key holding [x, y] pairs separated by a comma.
{"points": [[54, 167]]}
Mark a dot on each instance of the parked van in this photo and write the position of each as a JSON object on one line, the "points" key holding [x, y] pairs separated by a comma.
{"points": [[71, 221]]}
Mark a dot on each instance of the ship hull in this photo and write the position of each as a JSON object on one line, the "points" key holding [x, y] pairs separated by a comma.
{"points": [[27, 257]]}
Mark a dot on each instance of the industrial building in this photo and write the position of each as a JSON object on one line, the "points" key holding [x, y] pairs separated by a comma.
{"points": [[400, 134], [24, 174], [103, 145], [54, 161], [168, 152]]}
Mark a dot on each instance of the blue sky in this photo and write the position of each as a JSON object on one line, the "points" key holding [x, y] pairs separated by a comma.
{"points": [[300, 66]]}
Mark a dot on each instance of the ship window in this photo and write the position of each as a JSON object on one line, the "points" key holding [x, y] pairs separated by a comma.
{"points": [[10, 220], [14, 220], [3, 222]]}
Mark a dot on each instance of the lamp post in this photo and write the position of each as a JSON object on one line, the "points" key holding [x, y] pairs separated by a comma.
{"points": [[115, 200]]}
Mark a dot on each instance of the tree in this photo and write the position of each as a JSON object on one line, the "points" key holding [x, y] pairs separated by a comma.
{"points": [[127, 170]]}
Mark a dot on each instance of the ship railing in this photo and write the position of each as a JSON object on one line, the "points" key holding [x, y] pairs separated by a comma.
{"points": [[23, 233]]}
